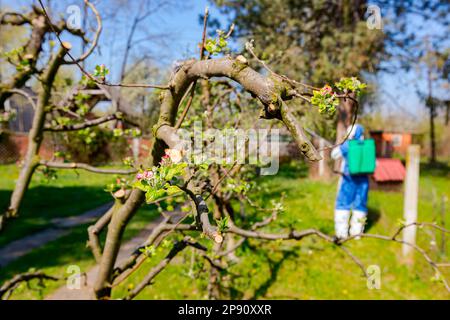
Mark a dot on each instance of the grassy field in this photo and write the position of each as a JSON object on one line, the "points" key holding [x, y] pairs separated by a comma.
{"points": [[71, 194], [313, 269], [309, 269]]}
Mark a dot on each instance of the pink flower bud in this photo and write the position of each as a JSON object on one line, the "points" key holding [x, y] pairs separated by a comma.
{"points": [[326, 90], [139, 176], [148, 174]]}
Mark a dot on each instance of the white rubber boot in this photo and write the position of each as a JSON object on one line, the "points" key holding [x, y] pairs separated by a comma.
{"points": [[357, 223], [341, 218]]}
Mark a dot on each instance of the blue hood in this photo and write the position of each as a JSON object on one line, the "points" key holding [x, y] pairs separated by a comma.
{"points": [[359, 132]]}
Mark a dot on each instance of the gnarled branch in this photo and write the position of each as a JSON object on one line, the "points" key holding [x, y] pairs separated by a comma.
{"points": [[84, 166]]}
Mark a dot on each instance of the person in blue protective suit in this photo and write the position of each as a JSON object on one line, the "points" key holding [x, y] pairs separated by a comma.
{"points": [[351, 202]]}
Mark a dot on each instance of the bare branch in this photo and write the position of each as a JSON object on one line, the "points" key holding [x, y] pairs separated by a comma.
{"points": [[14, 18], [86, 54], [87, 74], [95, 229], [194, 84], [9, 286], [86, 124], [177, 248], [84, 166]]}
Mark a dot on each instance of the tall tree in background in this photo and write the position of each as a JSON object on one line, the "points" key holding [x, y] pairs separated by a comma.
{"points": [[135, 42], [433, 62], [318, 39], [329, 39], [418, 44]]}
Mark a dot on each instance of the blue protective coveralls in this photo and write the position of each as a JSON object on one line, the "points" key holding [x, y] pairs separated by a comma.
{"points": [[352, 193]]}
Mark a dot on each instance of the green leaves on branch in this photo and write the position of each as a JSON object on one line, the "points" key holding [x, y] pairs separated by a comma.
{"points": [[49, 173], [134, 133], [222, 224], [327, 100], [80, 102], [22, 63], [118, 187], [128, 161], [13, 54], [101, 72], [352, 84], [7, 115], [218, 44], [148, 251], [62, 154], [63, 121], [159, 182], [87, 135], [236, 186]]}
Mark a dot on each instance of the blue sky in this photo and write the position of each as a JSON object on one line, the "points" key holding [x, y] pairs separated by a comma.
{"points": [[182, 24]]}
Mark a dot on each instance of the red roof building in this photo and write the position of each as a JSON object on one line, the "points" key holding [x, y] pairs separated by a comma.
{"points": [[389, 143], [390, 173], [389, 170]]}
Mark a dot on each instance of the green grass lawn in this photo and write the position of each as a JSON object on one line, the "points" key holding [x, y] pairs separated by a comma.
{"points": [[73, 193], [309, 269]]}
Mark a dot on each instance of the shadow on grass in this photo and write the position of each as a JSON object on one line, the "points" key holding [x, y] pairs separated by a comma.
{"points": [[373, 216], [438, 169], [56, 256], [65, 251], [274, 267], [41, 204]]}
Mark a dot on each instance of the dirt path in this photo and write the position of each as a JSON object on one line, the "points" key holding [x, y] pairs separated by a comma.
{"points": [[86, 292], [60, 227]]}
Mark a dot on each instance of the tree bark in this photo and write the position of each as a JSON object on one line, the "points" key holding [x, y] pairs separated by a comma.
{"points": [[432, 134], [270, 91], [116, 227], [432, 108], [344, 120], [35, 137]]}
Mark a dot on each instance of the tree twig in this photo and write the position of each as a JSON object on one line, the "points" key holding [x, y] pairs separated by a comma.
{"points": [[84, 166]]}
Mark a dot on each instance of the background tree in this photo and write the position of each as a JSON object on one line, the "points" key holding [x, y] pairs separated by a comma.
{"points": [[417, 44], [433, 63], [30, 60], [313, 41]]}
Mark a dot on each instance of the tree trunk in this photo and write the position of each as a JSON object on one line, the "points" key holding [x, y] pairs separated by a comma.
{"points": [[321, 170], [35, 137], [432, 106], [432, 134], [344, 119], [116, 227]]}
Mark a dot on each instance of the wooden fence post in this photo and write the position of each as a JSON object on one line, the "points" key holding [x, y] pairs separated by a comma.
{"points": [[411, 199], [322, 163], [136, 146]]}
